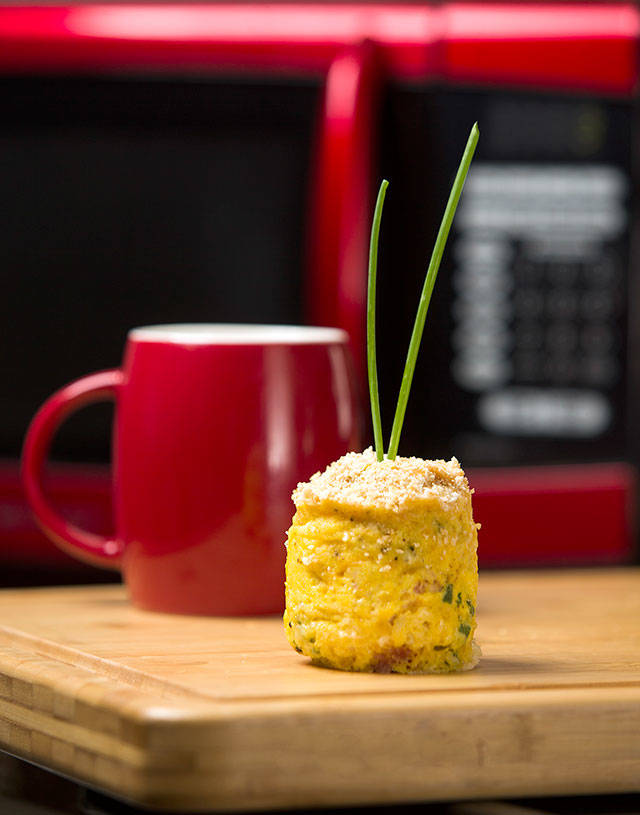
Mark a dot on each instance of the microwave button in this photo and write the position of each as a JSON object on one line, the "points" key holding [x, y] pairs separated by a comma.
{"points": [[550, 412]]}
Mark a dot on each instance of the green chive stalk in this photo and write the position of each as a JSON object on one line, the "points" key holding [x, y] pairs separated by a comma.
{"points": [[372, 367], [425, 298]]}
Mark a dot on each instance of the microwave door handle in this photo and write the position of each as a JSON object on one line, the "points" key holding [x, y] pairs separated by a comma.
{"points": [[341, 196]]}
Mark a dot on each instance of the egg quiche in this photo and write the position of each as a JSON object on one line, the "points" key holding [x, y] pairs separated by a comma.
{"points": [[381, 570]]}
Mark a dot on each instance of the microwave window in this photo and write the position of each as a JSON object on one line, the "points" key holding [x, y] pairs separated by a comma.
{"points": [[131, 202]]}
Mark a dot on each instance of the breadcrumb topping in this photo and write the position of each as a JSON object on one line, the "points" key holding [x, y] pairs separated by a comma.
{"points": [[360, 480]]}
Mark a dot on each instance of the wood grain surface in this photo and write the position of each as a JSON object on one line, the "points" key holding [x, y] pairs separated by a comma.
{"points": [[221, 714]]}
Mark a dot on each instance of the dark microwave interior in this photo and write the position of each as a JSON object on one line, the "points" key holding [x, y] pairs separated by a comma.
{"points": [[131, 202]]}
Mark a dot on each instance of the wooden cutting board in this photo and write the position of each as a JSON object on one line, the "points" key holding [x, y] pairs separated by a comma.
{"points": [[195, 713]]}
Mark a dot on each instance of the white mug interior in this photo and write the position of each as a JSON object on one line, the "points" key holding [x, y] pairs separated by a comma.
{"points": [[238, 334]]}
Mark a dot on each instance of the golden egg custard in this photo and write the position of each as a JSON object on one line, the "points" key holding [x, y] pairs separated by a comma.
{"points": [[381, 570]]}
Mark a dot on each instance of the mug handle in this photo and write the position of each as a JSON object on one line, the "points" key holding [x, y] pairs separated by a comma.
{"points": [[95, 549]]}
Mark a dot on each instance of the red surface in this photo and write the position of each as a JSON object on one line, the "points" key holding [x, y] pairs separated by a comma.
{"points": [[538, 516], [210, 441], [81, 493], [581, 47], [557, 45]]}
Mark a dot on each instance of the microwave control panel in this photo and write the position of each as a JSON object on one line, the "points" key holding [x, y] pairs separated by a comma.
{"points": [[525, 350]]}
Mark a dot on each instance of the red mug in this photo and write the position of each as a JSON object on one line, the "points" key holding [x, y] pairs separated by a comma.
{"points": [[214, 426]]}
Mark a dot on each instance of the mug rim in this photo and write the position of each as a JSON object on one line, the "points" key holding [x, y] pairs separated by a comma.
{"points": [[237, 334]]}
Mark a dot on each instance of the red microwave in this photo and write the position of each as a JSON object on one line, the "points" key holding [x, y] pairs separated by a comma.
{"points": [[172, 163]]}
